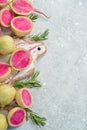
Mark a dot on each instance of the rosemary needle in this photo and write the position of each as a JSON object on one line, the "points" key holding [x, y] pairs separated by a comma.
{"points": [[33, 17], [30, 83], [36, 119], [40, 37]]}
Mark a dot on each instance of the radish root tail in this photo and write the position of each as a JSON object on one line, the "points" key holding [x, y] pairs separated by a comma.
{"points": [[38, 11]]}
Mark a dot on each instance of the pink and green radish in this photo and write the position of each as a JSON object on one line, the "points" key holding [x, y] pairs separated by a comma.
{"points": [[16, 116], [7, 94], [6, 15], [3, 3], [5, 71], [23, 98], [24, 7], [21, 26], [3, 122], [20, 59]]}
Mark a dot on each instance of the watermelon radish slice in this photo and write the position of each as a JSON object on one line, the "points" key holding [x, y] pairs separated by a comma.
{"points": [[21, 25], [16, 116], [20, 59], [3, 3], [24, 7], [23, 98], [5, 71], [6, 15]]}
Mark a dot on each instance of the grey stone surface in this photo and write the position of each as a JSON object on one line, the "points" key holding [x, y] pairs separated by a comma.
{"points": [[63, 70]]}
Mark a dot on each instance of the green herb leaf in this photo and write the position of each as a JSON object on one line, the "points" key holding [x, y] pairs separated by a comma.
{"points": [[33, 17], [36, 119], [40, 37], [30, 83]]}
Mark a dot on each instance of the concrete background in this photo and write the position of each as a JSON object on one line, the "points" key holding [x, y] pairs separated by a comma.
{"points": [[63, 70]]}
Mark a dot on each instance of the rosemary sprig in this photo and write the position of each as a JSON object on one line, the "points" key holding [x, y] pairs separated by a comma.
{"points": [[30, 83], [33, 17], [36, 119], [40, 37]]}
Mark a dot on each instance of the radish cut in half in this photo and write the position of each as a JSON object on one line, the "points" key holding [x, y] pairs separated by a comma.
{"points": [[5, 71], [20, 59], [16, 116], [24, 7], [3, 3], [23, 98], [6, 15], [21, 26]]}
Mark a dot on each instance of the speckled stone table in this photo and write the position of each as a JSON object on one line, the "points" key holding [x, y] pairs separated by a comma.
{"points": [[63, 70]]}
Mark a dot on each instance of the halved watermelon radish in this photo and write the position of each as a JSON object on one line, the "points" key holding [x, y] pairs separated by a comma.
{"points": [[3, 3], [21, 25], [6, 15], [20, 59], [16, 116], [23, 98], [24, 7], [5, 71]]}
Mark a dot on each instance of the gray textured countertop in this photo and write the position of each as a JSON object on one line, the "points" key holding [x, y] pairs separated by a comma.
{"points": [[63, 70]]}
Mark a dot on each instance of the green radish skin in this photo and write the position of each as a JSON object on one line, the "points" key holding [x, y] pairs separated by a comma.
{"points": [[6, 15], [7, 45], [5, 71], [16, 117], [23, 98], [7, 94], [3, 3], [3, 122], [21, 26]]}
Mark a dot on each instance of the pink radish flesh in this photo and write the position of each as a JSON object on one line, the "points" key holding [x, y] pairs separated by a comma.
{"points": [[7, 16], [22, 6], [22, 24], [3, 69], [17, 117], [3, 1], [26, 97], [20, 59]]}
